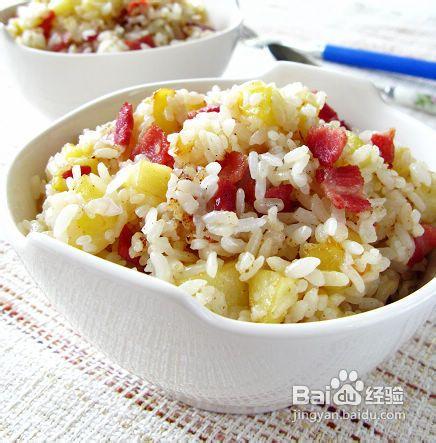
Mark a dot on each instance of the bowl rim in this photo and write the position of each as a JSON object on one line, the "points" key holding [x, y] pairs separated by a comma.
{"points": [[175, 294], [236, 19]]}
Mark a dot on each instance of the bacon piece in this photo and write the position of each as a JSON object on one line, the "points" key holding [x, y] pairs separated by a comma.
{"points": [[248, 185], [134, 45], [385, 143], [124, 243], [124, 125], [47, 24], [283, 192], [235, 171], [136, 7], [224, 198], [233, 167], [208, 108], [423, 245], [122, 17], [59, 42], [345, 178], [350, 202], [154, 144], [326, 143], [91, 38], [84, 170], [344, 187], [328, 114]]}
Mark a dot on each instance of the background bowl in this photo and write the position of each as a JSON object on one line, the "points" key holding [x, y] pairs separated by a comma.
{"points": [[154, 330], [59, 82]]}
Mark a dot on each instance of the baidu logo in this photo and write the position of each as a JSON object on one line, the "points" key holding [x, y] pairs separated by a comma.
{"points": [[347, 389]]}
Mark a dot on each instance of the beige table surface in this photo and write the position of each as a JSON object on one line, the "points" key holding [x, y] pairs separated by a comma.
{"points": [[55, 386]]}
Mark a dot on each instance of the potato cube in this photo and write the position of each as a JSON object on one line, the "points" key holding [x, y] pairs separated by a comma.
{"points": [[94, 227], [62, 7], [87, 189], [271, 295], [330, 253], [227, 281], [150, 179]]}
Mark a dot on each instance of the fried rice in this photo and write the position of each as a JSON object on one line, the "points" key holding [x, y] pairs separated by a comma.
{"points": [[259, 201], [86, 26]]}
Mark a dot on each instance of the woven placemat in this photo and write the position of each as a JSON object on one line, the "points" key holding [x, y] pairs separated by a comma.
{"points": [[54, 385]]}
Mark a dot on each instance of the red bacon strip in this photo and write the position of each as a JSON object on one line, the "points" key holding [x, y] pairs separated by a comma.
{"points": [[328, 114], [235, 174], [283, 192], [136, 7], [385, 143], [124, 243], [124, 125], [344, 187], [47, 24], [423, 245], [84, 170], [59, 42], [154, 145], [134, 45], [233, 167], [225, 197], [326, 143]]}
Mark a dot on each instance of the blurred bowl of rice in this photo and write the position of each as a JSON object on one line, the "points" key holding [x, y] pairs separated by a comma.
{"points": [[244, 364], [57, 77]]}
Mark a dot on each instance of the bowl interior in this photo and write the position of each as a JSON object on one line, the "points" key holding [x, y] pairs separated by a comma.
{"points": [[33, 158], [355, 100]]}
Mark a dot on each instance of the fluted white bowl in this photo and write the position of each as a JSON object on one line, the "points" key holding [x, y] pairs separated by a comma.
{"points": [[58, 82], [156, 331]]}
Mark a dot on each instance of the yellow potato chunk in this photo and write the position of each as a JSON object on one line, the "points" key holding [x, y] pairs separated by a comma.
{"points": [[330, 253], [73, 152], [95, 9], [62, 7], [150, 179], [59, 184], [94, 227], [262, 105], [227, 281], [86, 189], [271, 295], [160, 101]]}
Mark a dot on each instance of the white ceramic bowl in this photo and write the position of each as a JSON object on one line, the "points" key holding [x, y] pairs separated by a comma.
{"points": [[58, 82], [154, 330]]}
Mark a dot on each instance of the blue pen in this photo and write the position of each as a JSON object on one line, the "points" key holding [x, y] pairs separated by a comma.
{"points": [[380, 61], [361, 58]]}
